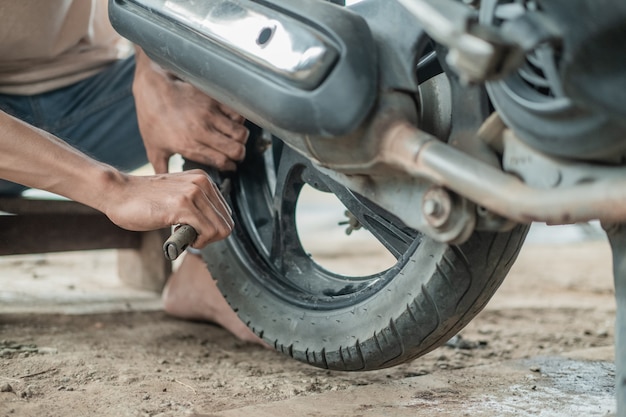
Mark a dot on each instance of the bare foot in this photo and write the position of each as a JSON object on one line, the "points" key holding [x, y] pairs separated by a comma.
{"points": [[191, 293]]}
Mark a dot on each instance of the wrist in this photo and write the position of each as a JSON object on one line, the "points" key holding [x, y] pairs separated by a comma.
{"points": [[106, 189], [147, 72]]}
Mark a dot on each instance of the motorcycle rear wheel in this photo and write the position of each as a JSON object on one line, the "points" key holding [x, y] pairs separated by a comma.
{"points": [[328, 319]]}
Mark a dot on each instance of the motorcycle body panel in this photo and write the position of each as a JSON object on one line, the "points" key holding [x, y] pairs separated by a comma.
{"points": [[320, 80]]}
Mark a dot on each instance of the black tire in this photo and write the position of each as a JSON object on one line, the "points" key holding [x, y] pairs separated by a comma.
{"points": [[337, 322]]}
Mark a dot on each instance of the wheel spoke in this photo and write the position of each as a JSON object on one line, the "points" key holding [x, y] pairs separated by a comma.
{"points": [[392, 235], [529, 75], [285, 248], [274, 180], [389, 231], [545, 53]]}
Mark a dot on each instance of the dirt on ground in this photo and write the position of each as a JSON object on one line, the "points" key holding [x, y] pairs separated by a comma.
{"points": [[558, 298]]}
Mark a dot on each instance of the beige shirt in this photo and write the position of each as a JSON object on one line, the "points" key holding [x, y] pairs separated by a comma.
{"points": [[48, 44]]}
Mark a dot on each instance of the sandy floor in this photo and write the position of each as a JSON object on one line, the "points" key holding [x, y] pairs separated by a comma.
{"points": [[112, 352]]}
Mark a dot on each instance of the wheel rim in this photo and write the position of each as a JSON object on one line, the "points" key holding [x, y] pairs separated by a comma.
{"points": [[265, 193], [264, 197]]}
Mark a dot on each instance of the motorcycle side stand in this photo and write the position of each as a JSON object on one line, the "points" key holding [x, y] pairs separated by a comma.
{"points": [[617, 238]]}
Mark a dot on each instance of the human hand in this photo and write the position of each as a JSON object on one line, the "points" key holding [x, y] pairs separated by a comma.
{"points": [[157, 201], [35, 158], [176, 118]]}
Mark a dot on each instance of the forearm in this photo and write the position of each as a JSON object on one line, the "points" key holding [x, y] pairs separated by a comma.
{"points": [[37, 159]]}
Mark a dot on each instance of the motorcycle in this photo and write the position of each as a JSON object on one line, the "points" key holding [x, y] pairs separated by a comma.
{"points": [[444, 127]]}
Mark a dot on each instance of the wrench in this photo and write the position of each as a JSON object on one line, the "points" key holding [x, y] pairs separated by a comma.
{"points": [[184, 235], [176, 244]]}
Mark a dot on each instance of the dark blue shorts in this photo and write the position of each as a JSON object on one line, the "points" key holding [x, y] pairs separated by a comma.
{"points": [[96, 115]]}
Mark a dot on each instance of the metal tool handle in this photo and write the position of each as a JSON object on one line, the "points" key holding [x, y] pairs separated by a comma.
{"points": [[182, 237]]}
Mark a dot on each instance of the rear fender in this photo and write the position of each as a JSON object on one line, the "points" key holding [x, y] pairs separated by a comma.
{"points": [[326, 89]]}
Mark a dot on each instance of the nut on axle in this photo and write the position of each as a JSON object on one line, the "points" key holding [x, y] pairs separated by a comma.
{"points": [[437, 207]]}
